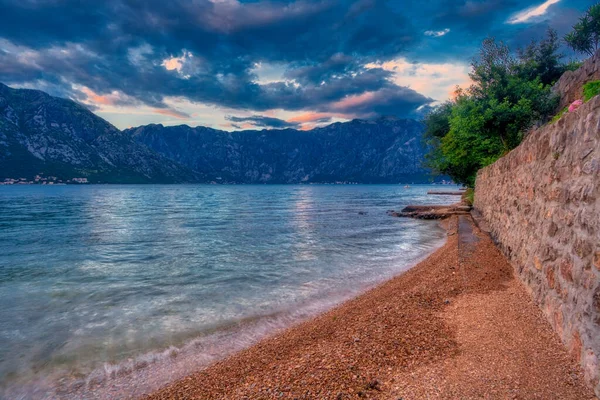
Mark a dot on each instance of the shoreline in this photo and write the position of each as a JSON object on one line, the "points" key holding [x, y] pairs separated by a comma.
{"points": [[144, 374], [366, 249], [372, 345]]}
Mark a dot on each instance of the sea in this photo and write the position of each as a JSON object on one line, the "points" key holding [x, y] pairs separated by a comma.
{"points": [[112, 291]]}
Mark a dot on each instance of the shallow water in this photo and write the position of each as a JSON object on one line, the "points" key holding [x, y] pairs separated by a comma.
{"points": [[108, 289]]}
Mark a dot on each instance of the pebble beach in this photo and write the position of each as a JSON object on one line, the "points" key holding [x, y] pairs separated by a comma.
{"points": [[457, 325]]}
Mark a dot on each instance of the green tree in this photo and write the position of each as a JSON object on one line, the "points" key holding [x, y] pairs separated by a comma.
{"points": [[491, 69], [585, 37], [490, 118], [542, 59]]}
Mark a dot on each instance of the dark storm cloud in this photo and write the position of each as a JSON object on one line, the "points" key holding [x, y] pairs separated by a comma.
{"points": [[470, 21], [383, 102], [262, 121], [322, 45]]}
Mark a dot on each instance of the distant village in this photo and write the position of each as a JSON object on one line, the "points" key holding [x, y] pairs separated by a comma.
{"points": [[53, 180], [41, 180]]}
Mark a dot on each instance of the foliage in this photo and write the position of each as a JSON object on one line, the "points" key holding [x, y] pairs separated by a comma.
{"points": [[559, 114], [490, 118], [469, 196], [590, 90], [573, 65], [542, 59], [585, 37]]}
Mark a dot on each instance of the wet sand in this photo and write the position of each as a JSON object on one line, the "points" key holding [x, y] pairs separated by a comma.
{"points": [[457, 325]]}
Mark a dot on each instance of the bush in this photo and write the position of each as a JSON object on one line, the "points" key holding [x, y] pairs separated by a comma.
{"points": [[590, 90], [469, 196], [542, 60], [559, 115], [573, 65], [490, 118]]}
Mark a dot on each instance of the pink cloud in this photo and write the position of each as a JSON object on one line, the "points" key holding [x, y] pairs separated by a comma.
{"points": [[353, 101], [309, 117], [93, 97]]}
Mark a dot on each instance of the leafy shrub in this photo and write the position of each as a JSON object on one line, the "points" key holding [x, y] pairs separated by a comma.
{"points": [[541, 60], [469, 196], [490, 118], [573, 65], [590, 90], [559, 115]]}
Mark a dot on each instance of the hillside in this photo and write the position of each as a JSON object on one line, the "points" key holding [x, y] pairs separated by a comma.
{"points": [[41, 134], [50, 136], [386, 150]]}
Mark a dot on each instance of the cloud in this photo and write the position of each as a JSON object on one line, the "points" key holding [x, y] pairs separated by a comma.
{"points": [[435, 80], [311, 118], [263, 121], [532, 12], [87, 96], [206, 52], [385, 101], [437, 33], [250, 57], [173, 63], [172, 113]]}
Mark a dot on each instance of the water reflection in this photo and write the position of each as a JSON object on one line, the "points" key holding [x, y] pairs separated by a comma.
{"points": [[101, 274]]}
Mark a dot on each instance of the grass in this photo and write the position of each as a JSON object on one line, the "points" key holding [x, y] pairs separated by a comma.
{"points": [[573, 65], [560, 114], [469, 196], [590, 90]]}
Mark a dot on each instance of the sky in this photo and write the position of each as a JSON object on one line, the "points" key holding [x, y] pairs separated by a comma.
{"points": [[232, 64]]}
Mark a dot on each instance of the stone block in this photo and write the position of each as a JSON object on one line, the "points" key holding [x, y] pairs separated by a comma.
{"points": [[540, 202], [566, 270], [550, 277], [582, 248], [552, 229], [537, 263]]}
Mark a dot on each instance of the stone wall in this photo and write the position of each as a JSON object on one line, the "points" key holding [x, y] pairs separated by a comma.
{"points": [[541, 204], [569, 86]]}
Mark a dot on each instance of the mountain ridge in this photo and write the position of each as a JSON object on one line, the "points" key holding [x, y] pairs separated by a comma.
{"points": [[43, 134], [386, 150]]}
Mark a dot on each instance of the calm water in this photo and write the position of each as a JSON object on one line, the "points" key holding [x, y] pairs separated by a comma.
{"points": [[112, 290]]}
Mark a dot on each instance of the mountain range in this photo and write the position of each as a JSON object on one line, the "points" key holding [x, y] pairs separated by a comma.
{"points": [[45, 135]]}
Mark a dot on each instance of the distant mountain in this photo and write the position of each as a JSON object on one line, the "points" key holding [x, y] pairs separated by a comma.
{"points": [[49, 136], [44, 134], [386, 150]]}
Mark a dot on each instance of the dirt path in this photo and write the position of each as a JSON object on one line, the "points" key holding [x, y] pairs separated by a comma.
{"points": [[458, 325]]}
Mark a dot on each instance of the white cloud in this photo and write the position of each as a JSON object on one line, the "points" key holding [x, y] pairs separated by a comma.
{"points": [[176, 62], [529, 13], [268, 72], [137, 55], [186, 65], [437, 81], [437, 33]]}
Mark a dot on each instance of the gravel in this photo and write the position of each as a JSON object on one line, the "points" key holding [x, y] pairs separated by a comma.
{"points": [[458, 325]]}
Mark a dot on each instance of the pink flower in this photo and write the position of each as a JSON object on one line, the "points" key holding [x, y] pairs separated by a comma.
{"points": [[575, 105]]}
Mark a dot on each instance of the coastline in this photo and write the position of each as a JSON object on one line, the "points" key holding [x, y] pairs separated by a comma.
{"points": [[143, 375], [458, 324], [362, 250], [147, 373]]}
